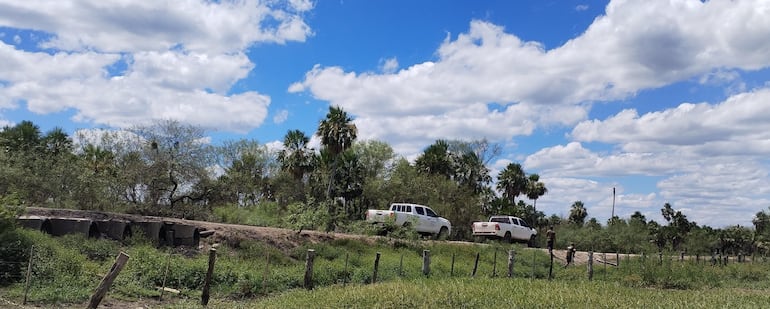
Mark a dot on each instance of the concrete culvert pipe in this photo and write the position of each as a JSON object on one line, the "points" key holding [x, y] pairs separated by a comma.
{"points": [[35, 223], [114, 229], [186, 235], [152, 230], [63, 226], [93, 231]]}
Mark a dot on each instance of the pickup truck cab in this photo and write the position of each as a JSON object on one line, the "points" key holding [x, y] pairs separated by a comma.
{"points": [[507, 228], [420, 217]]}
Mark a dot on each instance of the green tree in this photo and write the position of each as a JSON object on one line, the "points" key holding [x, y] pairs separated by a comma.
{"points": [[535, 188], [577, 213], [436, 160], [512, 182], [177, 161], [337, 133], [295, 157]]}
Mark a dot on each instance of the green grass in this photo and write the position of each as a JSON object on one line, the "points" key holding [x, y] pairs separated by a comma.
{"points": [[67, 269], [501, 293]]}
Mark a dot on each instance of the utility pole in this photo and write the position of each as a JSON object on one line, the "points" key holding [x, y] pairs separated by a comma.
{"points": [[613, 203]]}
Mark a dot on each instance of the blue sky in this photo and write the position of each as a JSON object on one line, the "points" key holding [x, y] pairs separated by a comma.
{"points": [[666, 101]]}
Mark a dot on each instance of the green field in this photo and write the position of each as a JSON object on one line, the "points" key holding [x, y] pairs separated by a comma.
{"points": [[67, 269]]}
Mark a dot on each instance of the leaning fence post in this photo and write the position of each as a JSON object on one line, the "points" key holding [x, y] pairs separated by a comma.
{"points": [[376, 267], [426, 262], [209, 274], [29, 274], [309, 269], [511, 256], [165, 273], [590, 265], [475, 265], [107, 281]]}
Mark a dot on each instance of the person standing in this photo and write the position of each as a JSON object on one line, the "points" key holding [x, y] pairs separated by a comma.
{"points": [[570, 254]]}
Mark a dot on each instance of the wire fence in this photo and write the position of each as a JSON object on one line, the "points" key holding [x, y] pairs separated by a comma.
{"points": [[158, 274]]}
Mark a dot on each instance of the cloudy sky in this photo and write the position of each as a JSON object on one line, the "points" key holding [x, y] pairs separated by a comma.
{"points": [[666, 101]]}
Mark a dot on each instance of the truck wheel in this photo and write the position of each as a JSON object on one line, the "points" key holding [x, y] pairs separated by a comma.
{"points": [[442, 234], [531, 242], [478, 238], [507, 238]]}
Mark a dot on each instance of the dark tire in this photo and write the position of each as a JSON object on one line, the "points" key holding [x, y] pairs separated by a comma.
{"points": [[507, 238], [531, 243], [443, 233]]}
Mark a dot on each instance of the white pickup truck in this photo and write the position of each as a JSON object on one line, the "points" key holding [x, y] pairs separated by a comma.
{"points": [[507, 228], [423, 219]]}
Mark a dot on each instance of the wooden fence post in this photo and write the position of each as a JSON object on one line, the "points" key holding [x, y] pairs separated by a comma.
{"points": [[681, 256], [345, 274], [590, 265], [29, 274], [660, 258], [266, 274], [209, 274], [165, 274], [604, 257], [550, 265], [494, 264], [533, 264], [309, 269], [120, 262], [426, 262], [475, 265], [511, 256], [401, 264], [617, 258], [452, 270], [376, 267]]}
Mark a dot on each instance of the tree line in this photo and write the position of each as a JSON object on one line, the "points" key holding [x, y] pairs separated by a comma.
{"points": [[169, 168]]}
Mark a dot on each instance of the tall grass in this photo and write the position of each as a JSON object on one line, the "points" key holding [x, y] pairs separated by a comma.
{"points": [[67, 269]]}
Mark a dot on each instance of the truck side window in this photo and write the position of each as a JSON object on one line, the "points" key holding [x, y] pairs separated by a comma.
{"points": [[524, 223], [430, 212], [420, 211], [515, 221], [408, 209]]}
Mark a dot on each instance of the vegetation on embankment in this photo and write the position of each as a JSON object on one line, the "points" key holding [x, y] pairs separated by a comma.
{"points": [[67, 269]]}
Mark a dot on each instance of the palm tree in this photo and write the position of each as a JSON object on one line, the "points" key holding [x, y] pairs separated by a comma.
{"points": [[535, 189], [98, 159], [436, 159], [512, 182], [295, 157], [577, 213], [337, 133]]}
